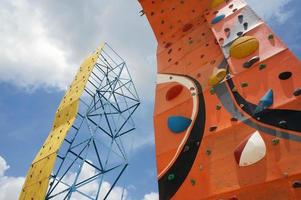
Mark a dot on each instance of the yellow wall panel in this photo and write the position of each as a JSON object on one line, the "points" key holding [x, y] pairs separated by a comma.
{"points": [[37, 179]]}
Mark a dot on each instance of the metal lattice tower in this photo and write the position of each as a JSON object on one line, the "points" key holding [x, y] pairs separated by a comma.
{"points": [[94, 154]]}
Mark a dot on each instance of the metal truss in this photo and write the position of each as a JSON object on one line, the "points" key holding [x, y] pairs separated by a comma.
{"points": [[94, 155]]}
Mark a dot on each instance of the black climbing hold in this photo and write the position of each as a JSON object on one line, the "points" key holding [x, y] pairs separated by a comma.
{"points": [[212, 128], [251, 62], [246, 25], [240, 33], [240, 18], [234, 119], [141, 13], [283, 124], [285, 75], [296, 184], [297, 92], [271, 36]]}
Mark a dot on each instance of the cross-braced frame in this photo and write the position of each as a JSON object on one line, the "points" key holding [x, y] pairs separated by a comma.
{"points": [[95, 152]]}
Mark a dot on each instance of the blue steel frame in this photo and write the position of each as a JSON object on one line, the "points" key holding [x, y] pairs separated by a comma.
{"points": [[95, 152]]}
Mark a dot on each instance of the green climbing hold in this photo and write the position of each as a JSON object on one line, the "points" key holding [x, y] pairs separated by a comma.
{"points": [[208, 152], [218, 107], [262, 66], [212, 91], [192, 181], [275, 141], [171, 177], [244, 84]]}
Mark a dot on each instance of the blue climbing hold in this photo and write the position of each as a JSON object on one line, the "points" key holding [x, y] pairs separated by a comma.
{"points": [[178, 124], [217, 19], [265, 102]]}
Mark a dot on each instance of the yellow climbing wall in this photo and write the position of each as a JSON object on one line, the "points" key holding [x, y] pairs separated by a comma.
{"points": [[37, 179]]}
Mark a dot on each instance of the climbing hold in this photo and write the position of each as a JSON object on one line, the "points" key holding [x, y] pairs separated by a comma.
{"points": [[212, 128], [208, 152], [246, 25], [233, 198], [217, 76], [186, 148], [234, 119], [251, 150], [173, 92], [218, 107], [171, 177], [234, 89], [192, 181], [275, 141], [178, 124], [244, 84], [227, 32], [265, 102], [251, 62], [212, 91], [283, 124], [297, 92], [141, 13], [218, 18], [240, 18], [297, 184], [187, 27], [216, 3], [285, 75], [240, 33], [271, 36], [228, 76], [168, 44], [244, 46], [262, 66]]}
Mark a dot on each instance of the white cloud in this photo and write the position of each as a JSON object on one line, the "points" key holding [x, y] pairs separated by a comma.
{"points": [[10, 187], [42, 44], [151, 196], [28, 57], [271, 9]]}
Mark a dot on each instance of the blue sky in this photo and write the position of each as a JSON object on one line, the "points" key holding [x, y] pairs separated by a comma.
{"points": [[42, 44]]}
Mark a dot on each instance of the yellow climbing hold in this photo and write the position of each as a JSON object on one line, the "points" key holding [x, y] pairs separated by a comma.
{"points": [[216, 3], [244, 46], [217, 76]]}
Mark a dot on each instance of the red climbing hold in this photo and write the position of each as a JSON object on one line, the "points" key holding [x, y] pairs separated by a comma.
{"points": [[187, 27], [173, 92]]}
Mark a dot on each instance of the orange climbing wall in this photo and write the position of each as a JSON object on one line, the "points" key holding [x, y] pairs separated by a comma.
{"points": [[195, 40]]}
